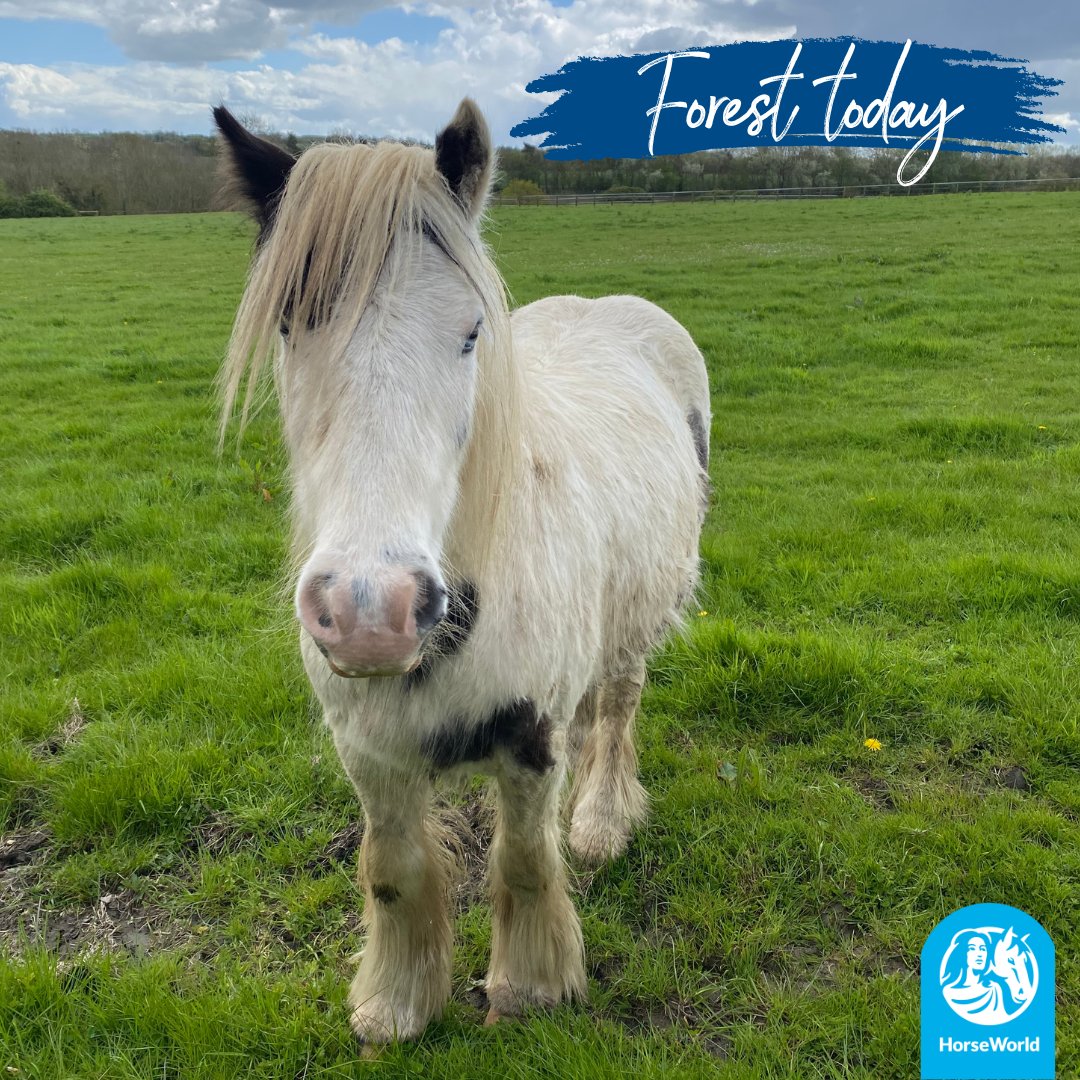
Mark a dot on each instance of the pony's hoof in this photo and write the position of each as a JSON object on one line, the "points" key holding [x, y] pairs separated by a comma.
{"points": [[374, 1027], [597, 842], [492, 1018], [600, 828]]}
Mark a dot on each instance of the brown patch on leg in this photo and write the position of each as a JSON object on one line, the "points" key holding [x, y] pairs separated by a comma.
{"points": [[406, 867], [542, 471]]}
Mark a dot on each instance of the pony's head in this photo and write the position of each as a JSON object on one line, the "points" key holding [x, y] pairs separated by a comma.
{"points": [[372, 291]]}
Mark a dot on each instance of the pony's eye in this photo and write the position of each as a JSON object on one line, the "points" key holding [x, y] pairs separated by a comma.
{"points": [[470, 341]]}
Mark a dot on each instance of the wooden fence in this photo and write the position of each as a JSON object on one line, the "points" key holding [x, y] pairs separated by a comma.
{"points": [[851, 191]]}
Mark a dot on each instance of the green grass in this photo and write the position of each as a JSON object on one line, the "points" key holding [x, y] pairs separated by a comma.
{"points": [[893, 553]]}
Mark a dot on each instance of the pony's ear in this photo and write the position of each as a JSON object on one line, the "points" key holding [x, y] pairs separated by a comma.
{"points": [[463, 156], [255, 170]]}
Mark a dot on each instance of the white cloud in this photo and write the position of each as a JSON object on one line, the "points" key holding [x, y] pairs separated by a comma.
{"points": [[192, 31], [391, 88], [1066, 120], [34, 91]]}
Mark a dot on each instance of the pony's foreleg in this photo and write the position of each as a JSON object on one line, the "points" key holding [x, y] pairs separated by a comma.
{"points": [[537, 954], [608, 800], [404, 977]]}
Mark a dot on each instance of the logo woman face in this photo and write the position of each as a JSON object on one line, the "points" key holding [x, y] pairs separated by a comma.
{"points": [[976, 955]]}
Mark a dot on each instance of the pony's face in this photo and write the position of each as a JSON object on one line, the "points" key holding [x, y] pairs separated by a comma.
{"points": [[377, 436], [378, 400]]}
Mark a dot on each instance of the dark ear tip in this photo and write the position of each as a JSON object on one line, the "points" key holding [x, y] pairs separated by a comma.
{"points": [[469, 117], [255, 170], [229, 126], [223, 118], [467, 107]]}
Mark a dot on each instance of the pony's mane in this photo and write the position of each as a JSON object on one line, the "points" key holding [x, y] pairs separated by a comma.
{"points": [[344, 208]]}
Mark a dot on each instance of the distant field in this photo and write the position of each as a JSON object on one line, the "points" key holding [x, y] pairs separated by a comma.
{"points": [[893, 554]]}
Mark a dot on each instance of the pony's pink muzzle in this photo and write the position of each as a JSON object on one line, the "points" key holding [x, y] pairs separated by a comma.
{"points": [[368, 626]]}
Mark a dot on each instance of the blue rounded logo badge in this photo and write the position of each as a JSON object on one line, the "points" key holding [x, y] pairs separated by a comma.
{"points": [[989, 975], [988, 997]]}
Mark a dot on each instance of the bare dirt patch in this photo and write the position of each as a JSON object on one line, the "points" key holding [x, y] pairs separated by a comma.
{"points": [[799, 969], [1013, 777], [875, 791], [120, 921], [66, 734], [693, 1023], [20, 847], [137, 921]]}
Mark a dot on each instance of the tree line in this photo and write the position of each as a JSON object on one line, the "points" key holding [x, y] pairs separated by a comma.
{"points": [[126, 173], [772, 167]]}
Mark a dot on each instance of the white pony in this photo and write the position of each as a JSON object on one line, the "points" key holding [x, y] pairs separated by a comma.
{"points": [[496, 514]]}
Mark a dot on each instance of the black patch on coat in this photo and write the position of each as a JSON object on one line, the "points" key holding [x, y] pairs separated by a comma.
{"points": [[385, 894], [533, 748], [259, 168], [448, 638], [701, 437], [515, 727]]}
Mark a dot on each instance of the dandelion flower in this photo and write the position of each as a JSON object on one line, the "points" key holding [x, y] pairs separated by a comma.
{"points": [[702, 614], [872, 744], [1042, 427]]}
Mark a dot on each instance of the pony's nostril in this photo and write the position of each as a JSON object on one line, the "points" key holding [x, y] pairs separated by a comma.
{"points": [[318, 606], [430, 602]]}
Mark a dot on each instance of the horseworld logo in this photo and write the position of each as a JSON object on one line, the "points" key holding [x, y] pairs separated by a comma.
{"points": [[988, 997]]}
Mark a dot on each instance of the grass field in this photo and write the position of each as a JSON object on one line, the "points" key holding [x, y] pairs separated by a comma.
{"points": [[893, 554]]}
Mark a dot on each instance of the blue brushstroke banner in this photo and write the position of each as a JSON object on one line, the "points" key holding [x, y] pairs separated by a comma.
{"points": [[818, 92]]}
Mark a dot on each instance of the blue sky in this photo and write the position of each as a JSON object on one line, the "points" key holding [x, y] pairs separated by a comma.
{"points": [[60, 41], [357, 65]]}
